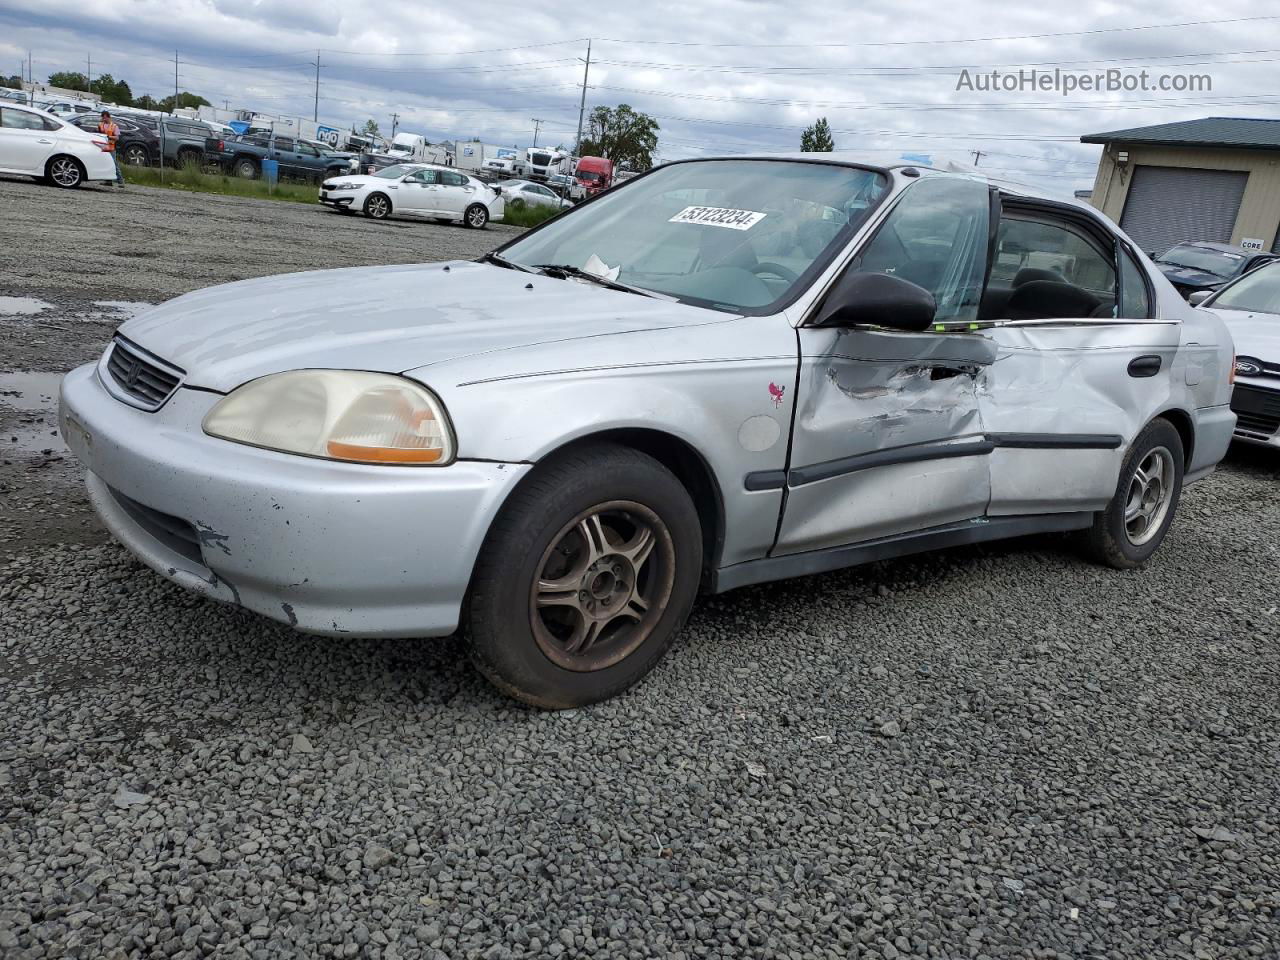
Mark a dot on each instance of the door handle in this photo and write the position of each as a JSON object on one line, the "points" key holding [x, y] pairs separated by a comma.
{"points": [[1147, 366], [43, 140]]}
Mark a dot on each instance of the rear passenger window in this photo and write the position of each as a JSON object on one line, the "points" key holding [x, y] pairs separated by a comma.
{"points": [[453, 179], [1135, 301], [1045, 270]]}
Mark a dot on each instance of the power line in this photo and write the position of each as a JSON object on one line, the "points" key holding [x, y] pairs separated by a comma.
{"points": [[921, 43]]}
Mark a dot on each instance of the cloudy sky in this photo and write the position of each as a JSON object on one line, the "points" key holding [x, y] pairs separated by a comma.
{"points": [[721, 76]]}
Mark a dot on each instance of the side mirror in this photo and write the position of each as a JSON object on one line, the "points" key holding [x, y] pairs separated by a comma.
{"points": [[879, 299], [1199, 297]]}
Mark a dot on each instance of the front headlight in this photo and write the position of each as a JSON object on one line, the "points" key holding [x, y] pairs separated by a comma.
{"points": [[337, 414], [345, 186]]}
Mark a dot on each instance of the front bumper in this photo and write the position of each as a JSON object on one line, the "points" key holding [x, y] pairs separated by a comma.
{"points": [[339, 201], [327, 547], [1256, 402]]}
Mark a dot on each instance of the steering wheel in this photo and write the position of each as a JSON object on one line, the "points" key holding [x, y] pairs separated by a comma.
{"points": [[777, 269]]}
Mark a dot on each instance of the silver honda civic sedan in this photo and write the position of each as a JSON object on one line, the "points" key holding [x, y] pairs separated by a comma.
{"points": [[722, 373]]}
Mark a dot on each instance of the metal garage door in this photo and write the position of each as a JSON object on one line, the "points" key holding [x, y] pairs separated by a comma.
{"points": [[1168, 204]]}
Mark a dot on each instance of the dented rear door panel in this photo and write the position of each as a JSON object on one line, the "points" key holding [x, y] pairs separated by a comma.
{"points": [[1063, 404], [888, 436]]}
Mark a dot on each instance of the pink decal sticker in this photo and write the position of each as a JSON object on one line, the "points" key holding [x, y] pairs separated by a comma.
{"points": [[777, 393]]}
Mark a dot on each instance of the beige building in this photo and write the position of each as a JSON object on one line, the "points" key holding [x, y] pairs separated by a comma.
{"points": [[1212, 179]]}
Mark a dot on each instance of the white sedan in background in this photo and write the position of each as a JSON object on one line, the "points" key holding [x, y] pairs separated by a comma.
{"points": [[38, 144], [415, 190], [524, 193]]}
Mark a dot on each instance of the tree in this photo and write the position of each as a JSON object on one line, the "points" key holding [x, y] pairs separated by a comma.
{"points": [[370, 129], [622, 135], [184, 100], [817, 138], [68, 80], [112, 90], [147, 102], [13, 83]]}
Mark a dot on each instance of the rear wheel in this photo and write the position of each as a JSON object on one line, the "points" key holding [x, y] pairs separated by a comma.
{"points": [[585, 578], [476, 216], [246, 168], [378, 206], [1134, 524], [65, 171]]}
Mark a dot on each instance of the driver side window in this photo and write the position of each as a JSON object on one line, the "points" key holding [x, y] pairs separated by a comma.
{"points": [[936, 236]]}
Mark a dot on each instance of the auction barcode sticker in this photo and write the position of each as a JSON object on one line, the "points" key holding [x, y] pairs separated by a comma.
{"points": [[719, 217]]}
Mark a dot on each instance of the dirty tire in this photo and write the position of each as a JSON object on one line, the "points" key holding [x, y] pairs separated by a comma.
{"points": [[502, 640], [246, 169], [377, 206], [64, 171], [1118, 537], [476, 216]]}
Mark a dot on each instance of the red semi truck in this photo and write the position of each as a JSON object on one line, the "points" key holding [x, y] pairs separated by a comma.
{"points": [[594, 174]]}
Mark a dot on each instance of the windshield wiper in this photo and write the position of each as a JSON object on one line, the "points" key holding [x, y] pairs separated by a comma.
{"points": [[502, 261], [564, 270]]}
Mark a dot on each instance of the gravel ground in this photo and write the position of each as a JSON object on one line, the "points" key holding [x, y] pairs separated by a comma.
{"points": [[990, 752]]}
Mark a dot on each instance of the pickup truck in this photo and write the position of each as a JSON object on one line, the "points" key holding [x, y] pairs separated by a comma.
{"points": [[243, 156], [181, 141]]}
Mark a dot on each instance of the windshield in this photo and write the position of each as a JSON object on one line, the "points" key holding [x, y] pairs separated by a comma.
{"points": [[1218, 262], [588, 176], [395, 171], [728, 234], [1258, 290]]}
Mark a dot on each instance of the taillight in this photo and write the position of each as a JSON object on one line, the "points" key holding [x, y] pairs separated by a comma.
{"points": [[222, 146]]}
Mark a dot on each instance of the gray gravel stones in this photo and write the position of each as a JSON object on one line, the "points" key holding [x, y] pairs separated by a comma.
{"points": [[1084, 764]]}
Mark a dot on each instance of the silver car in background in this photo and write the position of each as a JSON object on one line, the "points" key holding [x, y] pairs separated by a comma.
{"points": [[1250, 307], [724, 373]]}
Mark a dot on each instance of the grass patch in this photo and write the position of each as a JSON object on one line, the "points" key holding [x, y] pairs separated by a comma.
{"points": [[528, 216], [193, 180]]}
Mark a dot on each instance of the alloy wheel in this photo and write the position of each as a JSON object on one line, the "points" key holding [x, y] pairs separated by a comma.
{"points": [[64, 172], [602, 586], [477, 217], [1150, 493], [136, 156], [377, 207]]}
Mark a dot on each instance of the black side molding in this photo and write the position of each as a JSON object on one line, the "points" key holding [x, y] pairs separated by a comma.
{"points": [[766, 480], [935, 538], [799, 476], [1057, 441], [1147, 366]]}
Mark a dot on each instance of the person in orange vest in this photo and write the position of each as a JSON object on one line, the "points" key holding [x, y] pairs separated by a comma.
{"points": [[109, 129]]}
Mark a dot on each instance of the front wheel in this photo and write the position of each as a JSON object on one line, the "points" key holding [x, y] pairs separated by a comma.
{"points": [[65, 172], [377, 207], [585, 578], [1135, 522], [135, 155], [476, 217]]}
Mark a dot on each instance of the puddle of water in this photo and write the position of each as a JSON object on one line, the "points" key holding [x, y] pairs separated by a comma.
{"points": [[123, 309], [22, 306], [34, 397]]}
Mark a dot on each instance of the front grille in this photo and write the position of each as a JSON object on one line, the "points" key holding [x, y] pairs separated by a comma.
{"points": [[1257, 411], [140, 378]]}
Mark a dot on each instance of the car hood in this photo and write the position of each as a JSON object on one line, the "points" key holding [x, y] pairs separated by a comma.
{"points": [[1256, 335], [360, 179], [391, 319], [1187, 277]]}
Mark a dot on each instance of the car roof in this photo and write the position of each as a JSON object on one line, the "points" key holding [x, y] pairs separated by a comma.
{"points": [[1216, 246], [36, 110]]}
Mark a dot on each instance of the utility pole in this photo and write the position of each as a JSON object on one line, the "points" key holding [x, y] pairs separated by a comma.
{"points": [[536, 124], [316, 116], [88, 77], [175, 81], [977, 155], [582, 104], [395, 120]]}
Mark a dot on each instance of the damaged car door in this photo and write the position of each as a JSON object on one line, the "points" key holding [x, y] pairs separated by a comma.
{"points": [[888, 434]]}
